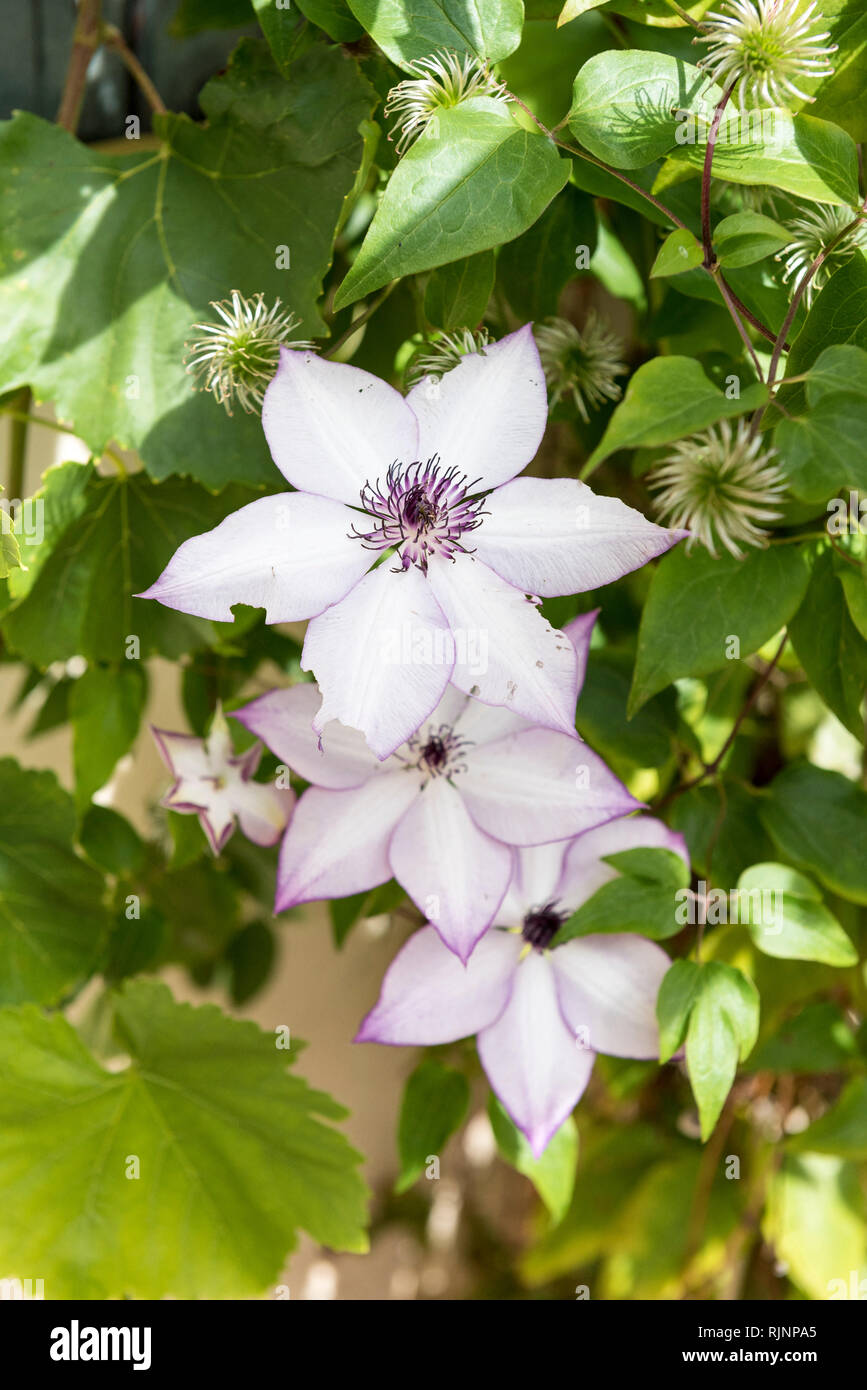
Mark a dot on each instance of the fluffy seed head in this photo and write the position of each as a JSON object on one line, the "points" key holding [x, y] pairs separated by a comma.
{"points": [[718, 485], [766, 47], [443, 80], [236, 358], [581, 364], [442, 352], [811, 234]]}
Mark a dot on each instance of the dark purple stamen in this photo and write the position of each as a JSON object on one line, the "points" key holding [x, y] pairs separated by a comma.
{"points": [[421, 510], [541, 925]]}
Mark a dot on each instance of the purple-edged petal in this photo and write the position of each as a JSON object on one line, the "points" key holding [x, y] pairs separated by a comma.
{"points": [[382, 657], [607, 988], [539, 785], [262, 810], [580, 634], [583, 869], [331, 427], [183, 754], [487, 416], [519, 660], [552, 536], [336, 843], [283, 719], [429, 997], [455, 873], [290, 554], [531, 1059]]}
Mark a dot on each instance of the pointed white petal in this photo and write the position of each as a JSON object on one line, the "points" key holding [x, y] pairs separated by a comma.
{"points": [[454, 872], [552, 536], [382, 657], [262, 810], [607, 988], [485, 417], [283, 719], [290, 554], [429, 997]]}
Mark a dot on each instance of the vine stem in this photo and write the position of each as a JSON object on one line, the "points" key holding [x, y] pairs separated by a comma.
{"points": [[85, 42], [360, 321], [707, 173], [18, 444], [22, 416], [113, 38], [710, 769]]}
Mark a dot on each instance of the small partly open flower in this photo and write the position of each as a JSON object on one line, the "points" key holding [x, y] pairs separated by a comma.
{"points": [[811, 234], [443, 80], [442, 352], [236, 358], [765, 47], [581, 364], [719, 485]]}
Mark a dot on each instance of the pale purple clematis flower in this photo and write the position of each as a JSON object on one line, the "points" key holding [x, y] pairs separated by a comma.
{"points": [[540, 1014], [442, 813], [430, 478], [213, 784]]}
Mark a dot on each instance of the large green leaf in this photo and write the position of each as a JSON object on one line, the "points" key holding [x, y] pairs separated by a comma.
{"points": [[721, 821], [410, 29], [533, 269], [478, 179], [666, 399], [126, 530], [723, 1026], [697, 604], [641, 899], [828, 644], [105, 708], [231, 1158], [107, 261], [840, 97], [817, 819], [838, 315], [823, 449], [553, 1172], [457, 295], [52, 920], [434, 1104]]}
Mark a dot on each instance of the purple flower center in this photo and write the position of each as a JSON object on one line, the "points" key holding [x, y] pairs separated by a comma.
{"points": [[439, 753], [541, 925], [422, 509]]}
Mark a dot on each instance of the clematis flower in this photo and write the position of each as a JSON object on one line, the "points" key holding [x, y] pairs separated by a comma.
{"points": [[425, 485], [211, 783], [540, 1013], [442, 814]]}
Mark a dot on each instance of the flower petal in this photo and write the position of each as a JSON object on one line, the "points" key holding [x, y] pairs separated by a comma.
{"points": [[530, 1057], [183, 754], [583, 869], [331, 427], [607, 988], [580, 634], [336, 843], [290, 554], [383, 657], [534, 882], [429, 997], [283, 719], [455, 873], [552, 536], [525, 663], [540, 785], [262, 810], [485, 417]]}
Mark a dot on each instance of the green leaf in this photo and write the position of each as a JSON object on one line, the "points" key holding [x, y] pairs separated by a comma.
{"points": [[553, 1172], [828, 645], [747, 237], [192, 16], [723, 1027], [817, 1039], [817, 819], [840, 97], [457, 295], [110, 842], [106, 264], [118, 545], [287, 34], [105, 709], [666, 399], [838, 316], [645, 741], [10, 553], [679, 252], [697, 604], [842, 1130], [534, 268], [724, 817], [434, 1105], [52, 919], [334, 16], [250, 957], [814, 1222], [229, 1149], [624, 104], [479, 181], [787, 918], [345, 912], [677, 994], [642, 899], [410, 29], [822, 450]]}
